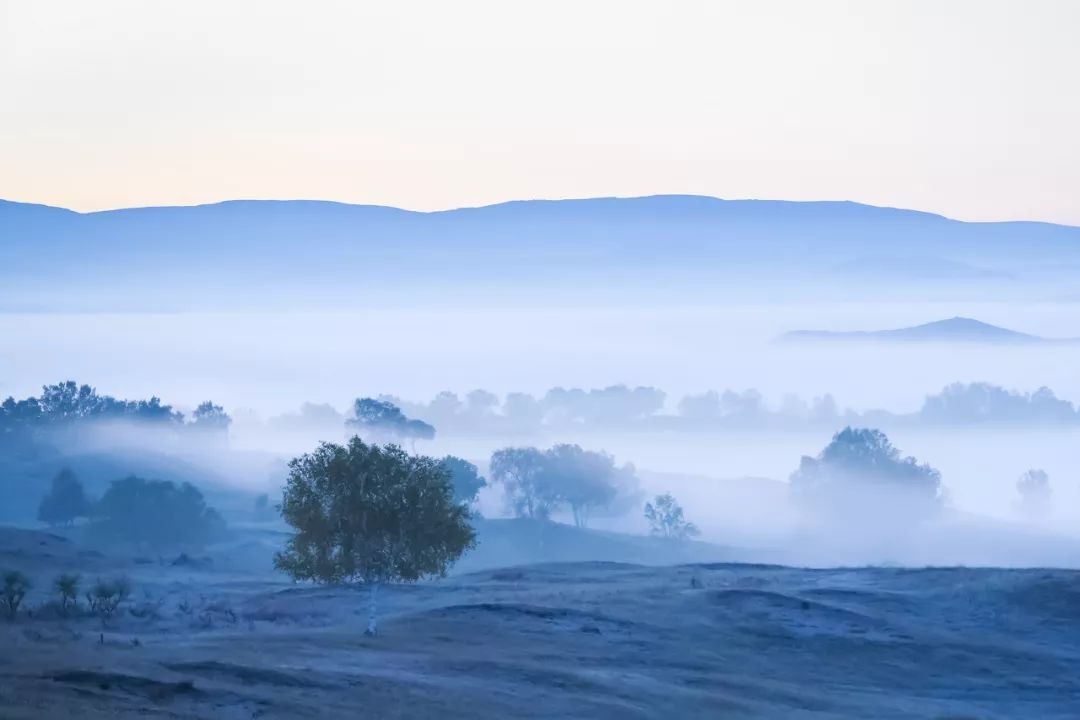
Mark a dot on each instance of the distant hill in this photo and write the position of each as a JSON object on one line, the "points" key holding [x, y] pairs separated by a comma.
{"points": [[957, 329], [290, 254]]}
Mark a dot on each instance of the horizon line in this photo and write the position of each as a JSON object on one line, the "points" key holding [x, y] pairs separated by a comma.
{"points": [[517, 201]]}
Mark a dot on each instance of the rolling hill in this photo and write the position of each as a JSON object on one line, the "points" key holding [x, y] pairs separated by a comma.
{"points": [[309, 253]]}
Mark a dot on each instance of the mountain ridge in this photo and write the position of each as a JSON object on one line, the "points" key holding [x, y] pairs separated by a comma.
{"points": [[694, 248]]}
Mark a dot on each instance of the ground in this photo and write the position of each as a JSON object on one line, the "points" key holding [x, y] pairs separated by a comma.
{"points": [[211, 638]]}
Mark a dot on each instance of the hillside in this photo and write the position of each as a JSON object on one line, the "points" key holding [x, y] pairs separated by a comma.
{"points": [[318, 253], [582, 640]]}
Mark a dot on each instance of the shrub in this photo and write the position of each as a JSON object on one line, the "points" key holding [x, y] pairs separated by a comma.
{"points": [[16, 585], [107, 595], [67, 587]]}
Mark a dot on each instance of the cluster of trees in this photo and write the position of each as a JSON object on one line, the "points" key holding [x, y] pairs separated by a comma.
{"points": [[383, 419], [980, 402], [69, 402], [157, 513], [373, 514], [538, 483], [620, 407], [860, 471]]}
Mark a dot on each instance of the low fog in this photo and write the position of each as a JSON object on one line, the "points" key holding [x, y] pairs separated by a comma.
{"points": [[698, 402]]}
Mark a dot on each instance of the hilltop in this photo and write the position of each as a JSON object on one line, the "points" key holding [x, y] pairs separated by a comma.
{"points": [[226, 255]]}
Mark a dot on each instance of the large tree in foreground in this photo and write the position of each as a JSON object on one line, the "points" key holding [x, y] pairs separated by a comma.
{"points": [[371, 514]]}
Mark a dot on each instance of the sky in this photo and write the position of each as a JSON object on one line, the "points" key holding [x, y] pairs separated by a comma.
{"points": [[963, 107]]}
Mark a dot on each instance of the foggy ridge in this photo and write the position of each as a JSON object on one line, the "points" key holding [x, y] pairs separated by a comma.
{"points": [[957, 329], [695, 246]]}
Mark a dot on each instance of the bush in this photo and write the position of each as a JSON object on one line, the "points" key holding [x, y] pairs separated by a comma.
{"points": [[67, 587], [107, 595], [16, 585]]}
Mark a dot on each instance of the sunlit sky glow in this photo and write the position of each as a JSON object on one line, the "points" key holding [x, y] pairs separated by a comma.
{"points": [[964, 107]]}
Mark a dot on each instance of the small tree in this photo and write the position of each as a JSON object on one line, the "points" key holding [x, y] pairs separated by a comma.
{"points": [[584, 480], [372, 514], [666, 520], [16, 585], [523, 473], [465, 479], [107, 595], [1035, 494], [65, 501], [67, 587]]}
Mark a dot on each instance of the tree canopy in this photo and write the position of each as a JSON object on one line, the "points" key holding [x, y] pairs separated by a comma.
{"points": [[65, 500], [666, 519], [860, 469], [156, 512], [384, 418], [540, 482], [465, 479], [371, 513]]}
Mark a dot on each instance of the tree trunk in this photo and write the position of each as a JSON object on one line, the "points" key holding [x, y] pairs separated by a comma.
{"points": [[373, 589]]}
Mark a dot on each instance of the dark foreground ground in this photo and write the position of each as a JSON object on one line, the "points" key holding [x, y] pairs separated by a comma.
{"points": [[207, 639]]}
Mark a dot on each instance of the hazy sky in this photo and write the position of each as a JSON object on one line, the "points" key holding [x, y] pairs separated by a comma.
{"points": [[965, 107]]}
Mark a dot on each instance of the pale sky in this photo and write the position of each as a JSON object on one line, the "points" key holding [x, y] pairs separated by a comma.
{"points": [[970, 108]]}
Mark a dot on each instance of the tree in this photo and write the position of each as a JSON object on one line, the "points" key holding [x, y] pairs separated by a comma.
{"points": [[156, 512], [582, 479], [209, 416], [465, 479], [1035, 494], [65, 501], [371, 514], [666, 520], [384, 418], [16, 585], [67, 587], [860, 471], [523, 473]]}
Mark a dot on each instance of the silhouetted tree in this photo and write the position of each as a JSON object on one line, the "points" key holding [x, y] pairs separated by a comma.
{"points": [[582, 479], [384, 418], [67, 587], [1035, 494], [13, 592], [983, 402], [666, 519], [465, 479], [156, 512], [861, 470], [373, 514], [209, 416], [65, 500], [523, 474]]}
